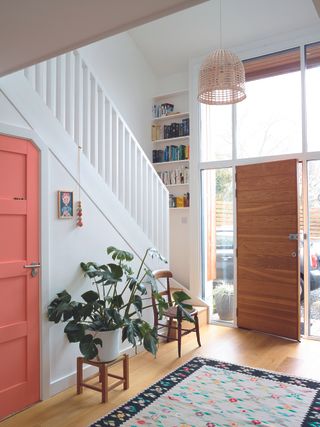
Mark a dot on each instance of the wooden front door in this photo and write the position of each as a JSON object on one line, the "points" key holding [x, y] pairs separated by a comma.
{"points": [[19, 289], [268, 297]]}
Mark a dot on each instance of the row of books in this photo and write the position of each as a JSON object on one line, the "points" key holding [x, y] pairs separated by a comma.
{"points": [[156, 133], [175, 176], [179, 201], [162, 110], [171, 153], [174, 130]]}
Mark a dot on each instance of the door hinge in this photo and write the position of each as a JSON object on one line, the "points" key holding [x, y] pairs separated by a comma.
{"points": [[237, 311], [236, 193], [237, 252]]}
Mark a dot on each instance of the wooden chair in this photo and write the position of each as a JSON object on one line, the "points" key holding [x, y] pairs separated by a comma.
{"points": [[171, 314]]}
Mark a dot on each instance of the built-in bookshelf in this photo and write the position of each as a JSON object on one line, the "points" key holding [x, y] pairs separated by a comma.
{"points": [[171, 146]]}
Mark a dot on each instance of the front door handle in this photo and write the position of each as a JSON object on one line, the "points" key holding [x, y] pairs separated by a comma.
{"points": [[34, 266]]}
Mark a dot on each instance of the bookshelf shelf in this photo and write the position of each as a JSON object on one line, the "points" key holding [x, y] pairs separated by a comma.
{"points": [[170, 117], [179, 209], [178, 185], [176, 93], [174, 162], [179, 138]]}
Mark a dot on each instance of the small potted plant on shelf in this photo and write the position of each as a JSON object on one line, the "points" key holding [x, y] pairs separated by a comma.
{"points": [[223, 296], [115, 306]]}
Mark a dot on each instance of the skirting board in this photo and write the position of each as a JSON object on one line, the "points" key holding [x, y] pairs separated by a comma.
{"points": [[70, 380]]}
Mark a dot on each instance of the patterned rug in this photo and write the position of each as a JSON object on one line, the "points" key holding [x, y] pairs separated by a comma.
{"points": [[211, 393]]}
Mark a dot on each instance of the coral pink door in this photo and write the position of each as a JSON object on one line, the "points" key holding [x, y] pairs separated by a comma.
{"points": [[19, 286]]}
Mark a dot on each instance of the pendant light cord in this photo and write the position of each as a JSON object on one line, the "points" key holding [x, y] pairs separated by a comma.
{"points": [[220, 26]]}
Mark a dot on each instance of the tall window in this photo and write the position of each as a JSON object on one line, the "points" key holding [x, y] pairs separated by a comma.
{"points": [[216, 132], [312, 54], [268, 122]]}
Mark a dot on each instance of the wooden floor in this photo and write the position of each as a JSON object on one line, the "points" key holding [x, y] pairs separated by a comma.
{"points": [[232, 345]]}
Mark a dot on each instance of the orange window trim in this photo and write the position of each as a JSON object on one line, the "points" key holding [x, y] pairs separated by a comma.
{"points": [[284, 62]]}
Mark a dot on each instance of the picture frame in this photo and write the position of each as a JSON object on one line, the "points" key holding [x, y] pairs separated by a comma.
{"points": [[65, 204]]}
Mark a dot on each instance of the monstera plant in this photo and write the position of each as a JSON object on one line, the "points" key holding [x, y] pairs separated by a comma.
{"points": [[114, 305]]}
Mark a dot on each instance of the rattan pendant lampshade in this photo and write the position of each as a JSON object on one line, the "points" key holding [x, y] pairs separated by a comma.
{"points": [[221, 78]]}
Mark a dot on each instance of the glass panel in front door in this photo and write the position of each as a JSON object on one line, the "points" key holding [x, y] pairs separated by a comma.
{"points": [[314, 245]]}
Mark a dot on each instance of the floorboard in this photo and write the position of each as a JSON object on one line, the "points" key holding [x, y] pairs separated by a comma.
{"points": [[232, 345]]}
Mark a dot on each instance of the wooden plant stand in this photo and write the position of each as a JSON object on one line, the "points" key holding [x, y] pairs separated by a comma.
{"points": [[103, 375]]}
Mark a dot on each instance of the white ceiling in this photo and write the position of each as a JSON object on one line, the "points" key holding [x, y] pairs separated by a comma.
{"points": [[34, 30], [170, 42]]}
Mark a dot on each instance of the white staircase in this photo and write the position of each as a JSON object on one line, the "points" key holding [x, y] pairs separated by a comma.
{"points": [[119, 177]]}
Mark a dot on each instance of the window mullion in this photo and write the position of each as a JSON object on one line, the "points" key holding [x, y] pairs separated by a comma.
{"points": [[303, 99], [234, 132]]}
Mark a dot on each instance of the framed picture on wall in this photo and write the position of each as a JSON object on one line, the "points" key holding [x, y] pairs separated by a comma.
{"points": [[65, 204]]}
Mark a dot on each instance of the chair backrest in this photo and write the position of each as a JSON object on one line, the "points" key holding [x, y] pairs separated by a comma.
{"points": [[161, 274]]}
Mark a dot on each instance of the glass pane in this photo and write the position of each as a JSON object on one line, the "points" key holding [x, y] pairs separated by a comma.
{"points": [[216, 132], [269, 119], [314, 245], [218, 242], [312, 92], [301, 248]]}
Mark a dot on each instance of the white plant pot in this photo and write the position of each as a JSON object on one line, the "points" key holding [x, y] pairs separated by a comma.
{"points": [[110, 349]]}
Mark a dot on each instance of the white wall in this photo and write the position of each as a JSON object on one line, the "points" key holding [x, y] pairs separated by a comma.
{"points": [[9, 115], [172, 83], [69, 245], [179, 245], [128, 80]]}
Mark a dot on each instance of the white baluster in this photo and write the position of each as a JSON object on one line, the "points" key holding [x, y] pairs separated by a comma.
{"points": [[115, 152], [69, 95], [50, 85], [93, 121], [127, 168], [133, 177], [85, 109], [26, 73], [155, 213], [139, 189], [39, 79], [151, 203], [101, 133], [161, 221], [120, 161], [60, 89], [146, 195], [108, 142], [78, 99], [165, 204], [31, 73]]}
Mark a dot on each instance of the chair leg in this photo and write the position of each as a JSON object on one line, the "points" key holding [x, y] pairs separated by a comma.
{"points": [[179, 336], [196, 321], [169, 329]]}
